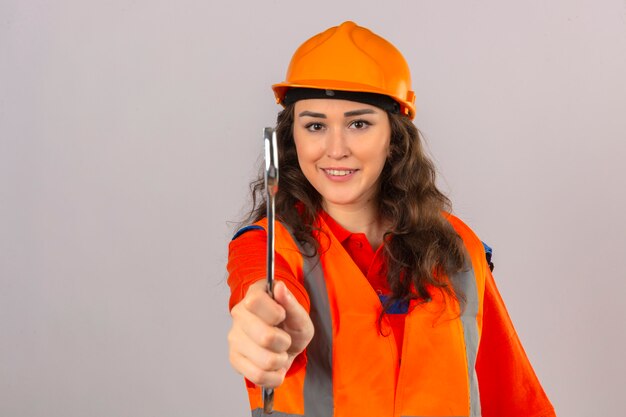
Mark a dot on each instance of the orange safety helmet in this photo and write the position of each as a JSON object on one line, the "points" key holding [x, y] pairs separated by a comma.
{"points": [[352, 58]]}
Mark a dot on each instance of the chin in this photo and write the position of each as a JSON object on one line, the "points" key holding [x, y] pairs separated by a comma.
{"points": [[341, 200]]}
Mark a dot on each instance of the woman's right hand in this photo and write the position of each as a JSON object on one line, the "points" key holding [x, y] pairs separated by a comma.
{"points": [[267, 334]]}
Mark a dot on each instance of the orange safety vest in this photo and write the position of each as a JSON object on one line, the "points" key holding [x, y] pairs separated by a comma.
{"points": [[351, 367]]}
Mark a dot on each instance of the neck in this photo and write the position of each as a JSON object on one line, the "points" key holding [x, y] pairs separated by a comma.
{"points": [[362, 219]]}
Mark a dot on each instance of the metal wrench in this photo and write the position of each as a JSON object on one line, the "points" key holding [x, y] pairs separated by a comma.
{"points": [[271, 187]]}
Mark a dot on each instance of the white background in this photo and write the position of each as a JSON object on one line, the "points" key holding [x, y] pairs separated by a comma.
{"points": [[129, 131]]}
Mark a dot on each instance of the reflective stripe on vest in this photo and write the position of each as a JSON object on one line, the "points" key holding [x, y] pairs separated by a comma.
{"points": [[258, 412], [350, 365]]}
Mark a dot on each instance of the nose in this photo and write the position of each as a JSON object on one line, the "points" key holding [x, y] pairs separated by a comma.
{"points": [[336, 144]]}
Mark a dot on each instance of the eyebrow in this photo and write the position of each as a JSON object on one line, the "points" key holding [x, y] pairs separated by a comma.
{"points": [[358, 112], [312, 114], [346, 114]]}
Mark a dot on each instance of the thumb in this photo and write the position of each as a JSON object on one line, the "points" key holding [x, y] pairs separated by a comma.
{"points": [[288, 301], [297, 322], [296, 317]]}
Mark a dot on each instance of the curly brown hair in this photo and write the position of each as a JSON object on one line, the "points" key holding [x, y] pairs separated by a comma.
{"points": [[421, 247]]}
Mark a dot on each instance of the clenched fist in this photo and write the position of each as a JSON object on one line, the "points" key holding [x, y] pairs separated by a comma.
{"points": [[267, 334]]}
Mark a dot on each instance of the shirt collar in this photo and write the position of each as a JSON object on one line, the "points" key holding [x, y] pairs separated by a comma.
{"points": [[340, 233]]}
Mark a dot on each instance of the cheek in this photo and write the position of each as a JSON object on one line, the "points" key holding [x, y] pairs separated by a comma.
{"points": [[307, 152], [305, 159], [380, 155]]}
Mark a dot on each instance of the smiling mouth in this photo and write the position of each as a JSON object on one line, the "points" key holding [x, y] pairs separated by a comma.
{"points": [[339, 172]]}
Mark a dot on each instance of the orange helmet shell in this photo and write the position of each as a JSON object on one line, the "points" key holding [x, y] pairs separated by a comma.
{"points": [[349, 57]]}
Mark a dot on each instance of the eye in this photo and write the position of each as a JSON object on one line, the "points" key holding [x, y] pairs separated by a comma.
{"points": [[360, 124], [314, 127]]}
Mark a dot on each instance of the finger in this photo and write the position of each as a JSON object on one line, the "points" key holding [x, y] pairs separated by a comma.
{"points": [[259, 303], [298, 323], [256, 375], [259, 332], [261, 357]]}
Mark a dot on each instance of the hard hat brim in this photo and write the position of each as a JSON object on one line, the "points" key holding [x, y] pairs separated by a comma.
{"points": [[280, 89]]}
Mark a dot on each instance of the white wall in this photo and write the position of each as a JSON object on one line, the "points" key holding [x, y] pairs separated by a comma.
{"points": [[129, 132]]}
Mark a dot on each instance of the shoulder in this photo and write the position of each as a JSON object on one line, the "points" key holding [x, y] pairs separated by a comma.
{"points": [[463, 230], [255, 235], [258, 231], [479, 251]]}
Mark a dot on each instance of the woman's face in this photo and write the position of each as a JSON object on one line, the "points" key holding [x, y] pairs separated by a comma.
{"points": [[342, 147]]}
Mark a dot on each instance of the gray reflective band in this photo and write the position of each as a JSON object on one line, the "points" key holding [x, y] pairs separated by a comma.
{"points": [[258, 412], [466, 282], [318, 381]]}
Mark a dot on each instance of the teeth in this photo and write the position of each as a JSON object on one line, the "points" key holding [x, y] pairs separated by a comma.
{"points": [[339, 172]]}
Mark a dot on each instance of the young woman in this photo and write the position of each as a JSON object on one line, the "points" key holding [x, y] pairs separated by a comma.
{"points": [[384, 304]]}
